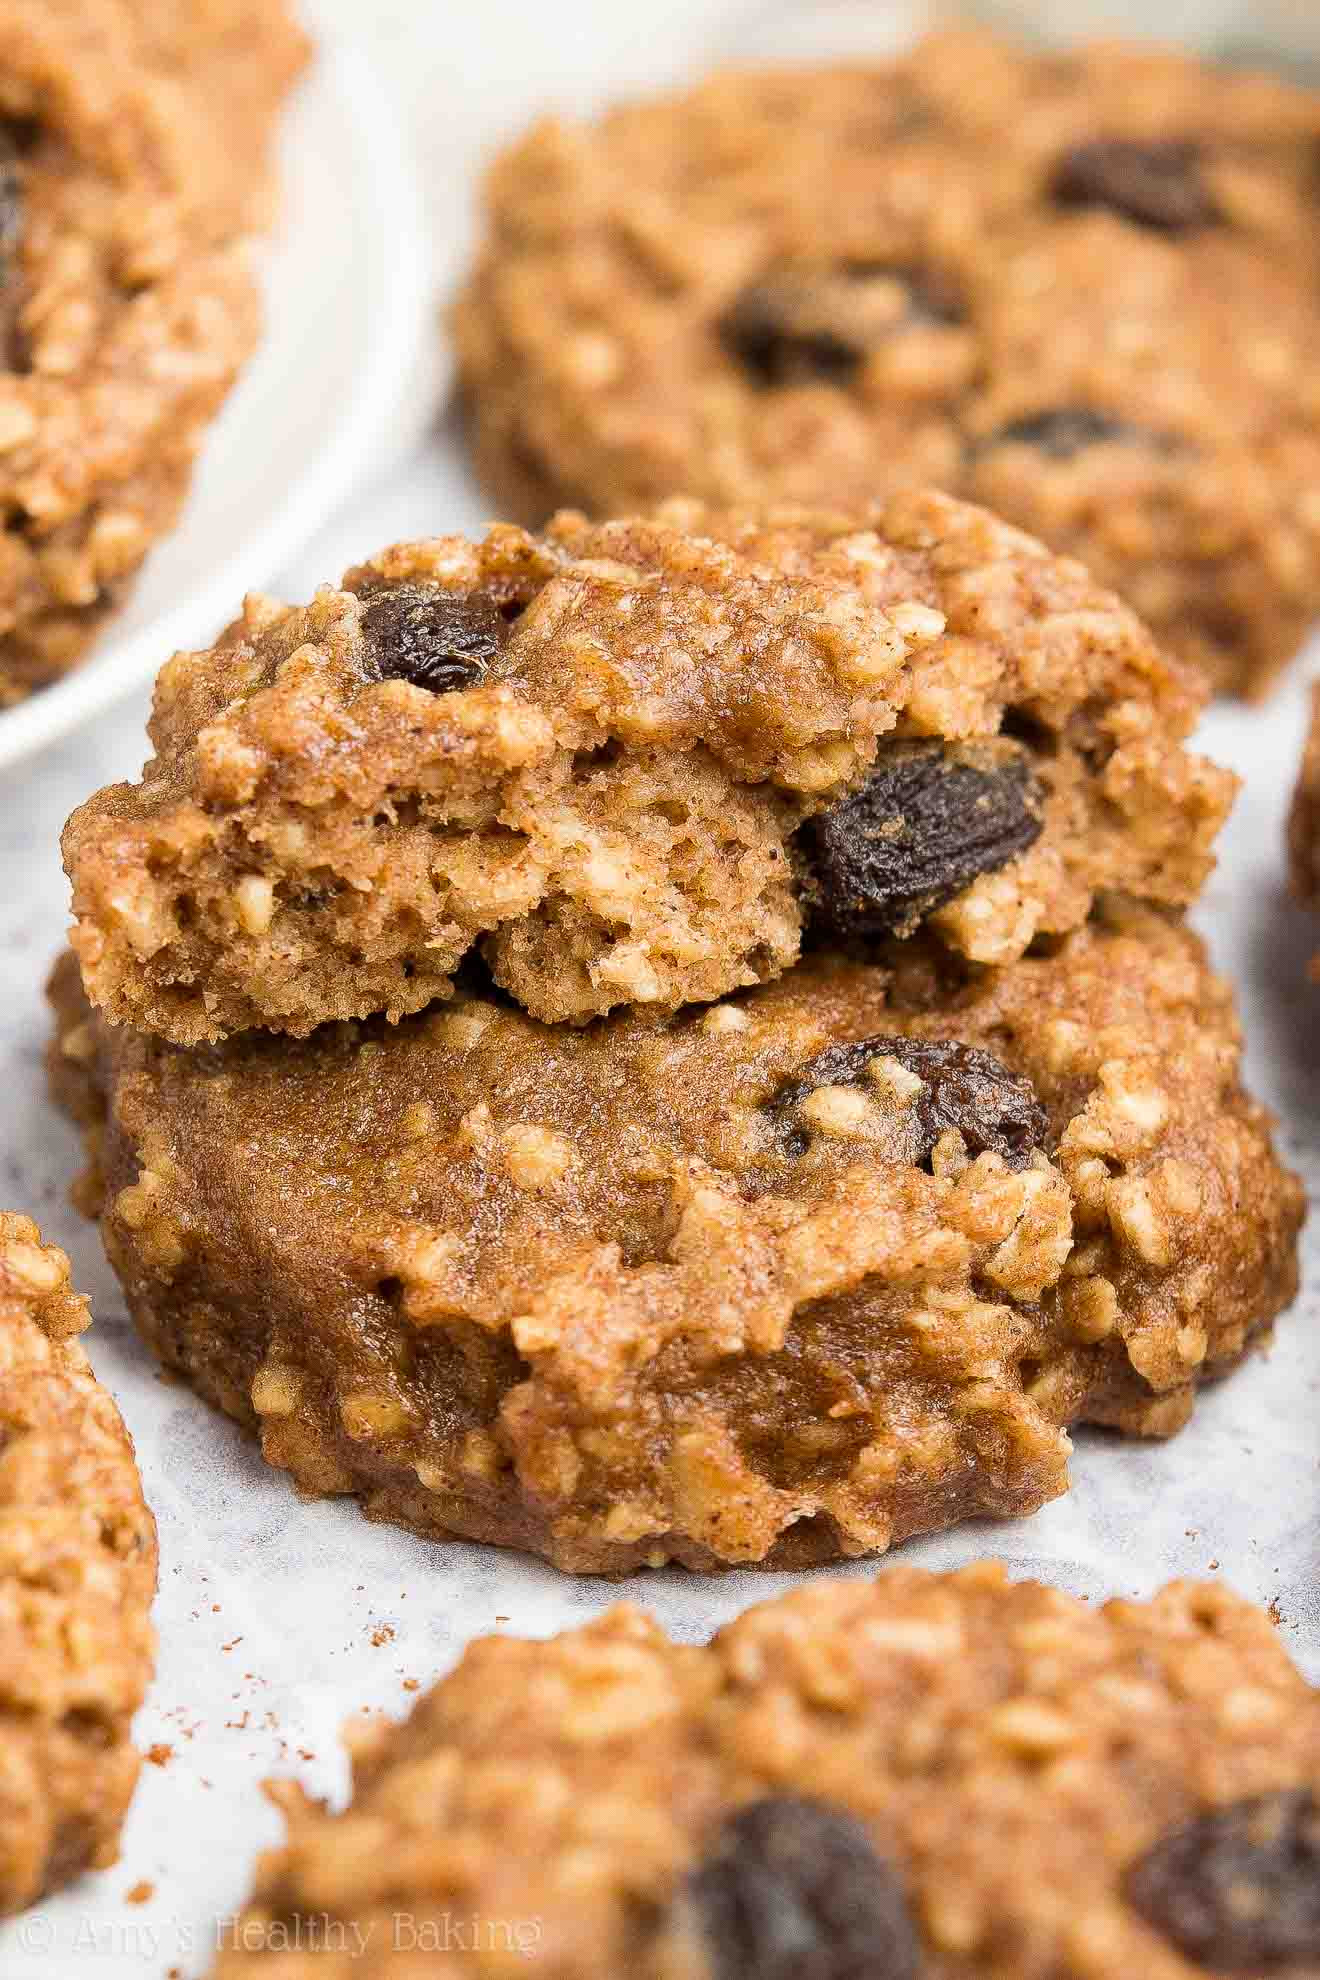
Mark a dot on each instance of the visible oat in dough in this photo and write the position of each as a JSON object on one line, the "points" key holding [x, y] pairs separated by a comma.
{"points": [[77, 1577], [134, 152], [590, 755], [921, 1777], [827, 1264], [1304, 820], [1081, 289]]}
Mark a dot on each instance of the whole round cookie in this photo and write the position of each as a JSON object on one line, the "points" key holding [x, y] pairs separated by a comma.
{"points": [[789, 1278], [626, 761], [1080, 288], [921, 1777], [77, 1578], [1304, 819], [134, 145]]}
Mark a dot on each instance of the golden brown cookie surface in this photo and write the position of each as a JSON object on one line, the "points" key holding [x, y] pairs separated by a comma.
{"points": [[1079, 289], [923, 1777], [77, 1577], [825, 1265], [134, 148], [624, 760]]}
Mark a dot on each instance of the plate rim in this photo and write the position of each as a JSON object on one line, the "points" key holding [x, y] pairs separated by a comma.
{"points": [[393, 356]]}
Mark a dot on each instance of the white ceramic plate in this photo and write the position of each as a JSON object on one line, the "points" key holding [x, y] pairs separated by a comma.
{"points": [[348, 319]]}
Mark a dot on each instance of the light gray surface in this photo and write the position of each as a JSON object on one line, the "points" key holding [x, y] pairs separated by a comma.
{"points": [[273, 1614]]}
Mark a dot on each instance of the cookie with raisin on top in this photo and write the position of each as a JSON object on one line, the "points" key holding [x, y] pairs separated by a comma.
{"points": [[625, 763], [1078, 287], [921, 1777], [793, 1276]]}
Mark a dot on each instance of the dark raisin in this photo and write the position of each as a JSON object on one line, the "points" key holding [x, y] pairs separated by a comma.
{"points": [[1238, 1890], [1156, 184], [11, 226], [962, 1087], [11, 198], [793, 1890], [1060, 432], [928, 820], [803, 326], [442, 640], [771, 339]]}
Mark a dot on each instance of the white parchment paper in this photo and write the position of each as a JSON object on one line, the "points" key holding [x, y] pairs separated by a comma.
{"points": [[279, 1619]]}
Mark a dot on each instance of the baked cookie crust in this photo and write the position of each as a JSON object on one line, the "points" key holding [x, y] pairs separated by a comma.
{"points": [[592, 754], [1079, 288], [134, 152], [948, 1776], [797, 1276], [77, 1578]]}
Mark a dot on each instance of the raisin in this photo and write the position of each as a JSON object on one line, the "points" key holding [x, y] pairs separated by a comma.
{"points": [[963, 1087], [11, 199], [928, 820], [1060, 432], [1238, 1890], [794, 1890], [803, 326], [1156, 184], [442, 640], [11, 226]]}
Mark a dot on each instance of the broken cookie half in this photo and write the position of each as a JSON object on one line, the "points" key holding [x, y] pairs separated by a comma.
{"points": [[627, 763]]}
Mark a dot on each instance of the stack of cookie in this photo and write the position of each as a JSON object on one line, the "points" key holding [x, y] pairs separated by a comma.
{"points": [[675, 1039]]}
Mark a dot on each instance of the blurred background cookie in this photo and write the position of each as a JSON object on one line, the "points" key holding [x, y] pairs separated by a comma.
{"points": [[945, 1776], [1079, 286], [135, 147]]}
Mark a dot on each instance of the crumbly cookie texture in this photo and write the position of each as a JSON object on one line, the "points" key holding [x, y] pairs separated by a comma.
{"points": [[134, 146], [1304, 820], [77, 1577], [592, 755], [1080, 289], [946, 1776], [792, 1277]]}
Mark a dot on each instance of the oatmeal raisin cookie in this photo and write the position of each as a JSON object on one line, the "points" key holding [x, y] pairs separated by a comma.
{"points": [[77, 1577], [625, 761], [134, 143], [1080, 288], [921, 1777], [793, 1276]]}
